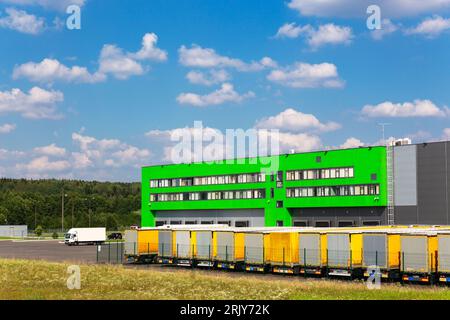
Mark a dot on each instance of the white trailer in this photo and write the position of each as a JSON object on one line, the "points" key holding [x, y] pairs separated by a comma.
{"points": [[75, 236]]}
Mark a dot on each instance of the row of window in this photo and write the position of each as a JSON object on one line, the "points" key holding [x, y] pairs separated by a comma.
{"points": [[313, 174], [333, 191], [210, 195], [238, 224], [200, 181]]}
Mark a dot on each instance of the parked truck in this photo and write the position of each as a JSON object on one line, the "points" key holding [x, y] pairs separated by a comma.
{"points": [[76, 236]]}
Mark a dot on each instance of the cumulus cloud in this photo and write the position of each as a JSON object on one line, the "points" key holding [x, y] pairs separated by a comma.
{"points": [[208, 79], [199, 57], [293, 120], [7, 128], [304, 75], [417, 108], [291, 30], [43, 164], [51, 150], [50, 70], [351, 143], [113, 61], [329, 34], [317, 37], [351, 8], [387, 27], [38, 103], [225, 94], [21, 21], [446, 134], [59, 5], [430, 27], [149, 50]]}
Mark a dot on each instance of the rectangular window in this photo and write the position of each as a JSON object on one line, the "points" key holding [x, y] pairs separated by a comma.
{"points": [[300, 223], [371, 223], [279, 204], [344, 224], [160, 223], [280, 223], [242, 224], [322, 224]]}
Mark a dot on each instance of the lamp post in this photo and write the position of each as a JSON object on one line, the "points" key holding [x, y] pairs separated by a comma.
{"points": [[63, 195]]}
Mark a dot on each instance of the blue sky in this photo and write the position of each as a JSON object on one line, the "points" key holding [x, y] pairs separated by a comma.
{"points": [[97, 103]]}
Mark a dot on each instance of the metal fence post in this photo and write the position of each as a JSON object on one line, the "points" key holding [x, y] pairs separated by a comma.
{"points": [[376, 258], [109, 252], [117, 252], [98, 246], [226, 253], [304, 261], [327, 263]]}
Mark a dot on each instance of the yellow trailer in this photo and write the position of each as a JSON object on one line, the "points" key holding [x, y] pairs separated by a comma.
{"points": [[141, 245], [344, 253], [228, 248], [443, 263], [381, 250], [419, 251]]}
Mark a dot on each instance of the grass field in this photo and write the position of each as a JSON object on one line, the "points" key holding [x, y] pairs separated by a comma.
{"points": [[25, 279]]}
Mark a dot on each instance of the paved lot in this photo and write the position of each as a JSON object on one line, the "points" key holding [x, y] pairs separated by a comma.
{"points": [[47, 250]]}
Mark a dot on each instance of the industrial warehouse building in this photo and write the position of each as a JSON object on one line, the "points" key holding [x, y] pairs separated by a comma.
{"points": [[399, 184]]}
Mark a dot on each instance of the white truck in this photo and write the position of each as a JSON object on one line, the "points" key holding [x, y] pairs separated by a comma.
{"points": [[75, 236]]}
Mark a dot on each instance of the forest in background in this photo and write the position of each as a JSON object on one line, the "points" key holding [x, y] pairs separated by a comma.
{"points": [[113, 205]]}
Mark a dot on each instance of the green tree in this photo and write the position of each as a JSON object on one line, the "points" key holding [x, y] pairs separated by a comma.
{"points": [[38, 231], [3, 215]]}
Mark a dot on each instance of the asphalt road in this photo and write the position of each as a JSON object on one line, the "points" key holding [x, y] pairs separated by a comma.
{"points": [[47, 250]]}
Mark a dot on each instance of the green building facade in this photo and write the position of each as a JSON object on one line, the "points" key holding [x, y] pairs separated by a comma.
{"points": [[347, 185]]}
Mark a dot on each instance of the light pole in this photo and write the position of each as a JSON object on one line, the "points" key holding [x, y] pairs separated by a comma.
{"points": [[63, 195]]}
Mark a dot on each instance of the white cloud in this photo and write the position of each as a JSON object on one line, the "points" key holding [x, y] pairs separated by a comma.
{"points": [[111, 152], [7, 128], [59, 5], [43, 164], [351, 143], [149, 51], [21, 21], [317, 37], [304, 75], [387, 27], [430, 27], [293, 120], [446, 134], [51, 150], [329, 34], [36, 104], [114, 61], [49, 70], [291, 30], [225, 94], [213, 77], [417, 108], [351, 8], [293, 142], [199, 57]]}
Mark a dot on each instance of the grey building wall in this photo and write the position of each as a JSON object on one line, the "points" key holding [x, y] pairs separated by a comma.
{"points": [[13, 231], [431, 186], [405, 175], [255, 217], [357, 215]]}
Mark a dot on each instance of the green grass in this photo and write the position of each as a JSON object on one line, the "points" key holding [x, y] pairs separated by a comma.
{"points": [[27, 279]]}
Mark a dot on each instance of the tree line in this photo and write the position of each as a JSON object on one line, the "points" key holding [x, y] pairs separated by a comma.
{"points": [[113, 205]]}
